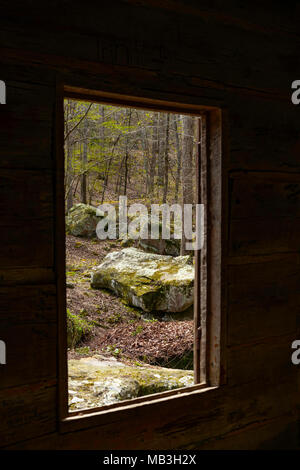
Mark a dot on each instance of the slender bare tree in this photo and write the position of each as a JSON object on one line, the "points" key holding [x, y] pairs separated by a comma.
{"points": [[186, 170]]}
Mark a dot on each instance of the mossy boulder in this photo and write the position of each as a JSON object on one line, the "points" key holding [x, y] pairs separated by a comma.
{"points": [[82, 220], [77, 329], [161, 246], [148, 281], [97, 381], [164, 247]]}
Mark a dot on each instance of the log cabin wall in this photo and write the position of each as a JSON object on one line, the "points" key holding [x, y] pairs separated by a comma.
{"points": [[240, 59]]}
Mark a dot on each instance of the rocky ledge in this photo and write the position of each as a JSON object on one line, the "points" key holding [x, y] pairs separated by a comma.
{"points": [[97, 381], [148, 281]]}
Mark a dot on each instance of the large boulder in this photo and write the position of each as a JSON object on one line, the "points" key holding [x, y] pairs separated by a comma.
{"points": [[82, 220], [148, 281], [165, 247], [97, 381], [169, 246]]}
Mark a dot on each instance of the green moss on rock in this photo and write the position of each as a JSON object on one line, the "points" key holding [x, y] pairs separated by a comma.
{"points": [[77, 329], [97, 381], [148, 281], [82, 220], [169, 246]]}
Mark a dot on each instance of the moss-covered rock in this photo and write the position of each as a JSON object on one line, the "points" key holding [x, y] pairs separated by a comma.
{"points": [[148, 281], [161, 246], [98, 381], [164, 247], [127, 242], [77, 329], [82, 220]]}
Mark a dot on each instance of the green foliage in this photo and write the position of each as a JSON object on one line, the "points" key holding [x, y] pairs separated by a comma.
{"points": [[114, 318], [138, 364], [114, 350], [84, 350], [112, 134], [138, 330]]}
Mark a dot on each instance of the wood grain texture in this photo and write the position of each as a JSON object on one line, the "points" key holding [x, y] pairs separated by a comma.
{"points": [[26, 276], [268, 360], [264, 299], [27, 193], [265, 195], [27, 243], [221, 415], [195, 53], [27, 411], [278, 433], [32, 304], [256, 236], [30, 353]]}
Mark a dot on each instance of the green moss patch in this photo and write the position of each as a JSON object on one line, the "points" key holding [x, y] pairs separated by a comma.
{"points": [[77, 329]]}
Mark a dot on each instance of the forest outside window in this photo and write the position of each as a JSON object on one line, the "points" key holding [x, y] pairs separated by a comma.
{"points": [[135, 189]]}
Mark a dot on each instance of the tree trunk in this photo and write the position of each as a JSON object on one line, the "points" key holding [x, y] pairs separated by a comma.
{"points": [[166, 160], [161, 137], [126, 162], [154, 153], [178, 163], [146, 154], [187, 173], [84, 164], [69, 175]]}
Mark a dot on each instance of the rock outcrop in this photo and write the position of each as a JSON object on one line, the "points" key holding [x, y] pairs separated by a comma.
{"points": [[161, 246], [77, 329], [82, 220], [97, 381], [148, 281]]}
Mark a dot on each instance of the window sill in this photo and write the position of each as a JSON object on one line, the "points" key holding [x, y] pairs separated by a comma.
{"points": [[100, 416]]}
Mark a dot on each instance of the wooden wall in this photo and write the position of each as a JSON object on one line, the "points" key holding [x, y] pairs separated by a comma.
{"points": [[242, 59]]}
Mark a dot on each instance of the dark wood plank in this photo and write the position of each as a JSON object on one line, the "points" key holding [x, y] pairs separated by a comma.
{"points": [[239, 413], [268, 360], [26, 276], [50, 41], [158, 39], [30, 353], [264, 299], [33, 201], [27, 244], [173, 421], [27, 412], [275, 434], [259, 401], [258, 194], [263, 135], [44, 441], [24, 142], [199, 55], [257, 236], [27, 304]]}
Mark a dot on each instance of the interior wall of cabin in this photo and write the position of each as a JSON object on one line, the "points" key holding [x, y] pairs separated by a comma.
{"points": [[240, 59]]}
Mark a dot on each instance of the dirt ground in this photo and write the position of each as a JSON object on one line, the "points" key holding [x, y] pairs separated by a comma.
{"points": [[118, 329]]}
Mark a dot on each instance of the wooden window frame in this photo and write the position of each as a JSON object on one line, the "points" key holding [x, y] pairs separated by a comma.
{"points": [[211, 175]]}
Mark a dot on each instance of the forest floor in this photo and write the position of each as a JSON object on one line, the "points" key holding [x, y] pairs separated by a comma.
{"points": [[118, 329]]}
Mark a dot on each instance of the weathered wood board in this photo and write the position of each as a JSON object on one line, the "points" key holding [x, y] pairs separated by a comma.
{"points": [[241, 60]]}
